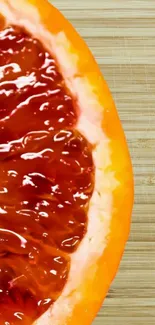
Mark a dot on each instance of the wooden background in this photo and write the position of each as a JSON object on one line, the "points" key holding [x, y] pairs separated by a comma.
{"points": [[121, 34]]}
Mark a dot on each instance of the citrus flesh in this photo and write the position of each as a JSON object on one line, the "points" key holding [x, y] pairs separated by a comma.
{"points": [[63, 157], [47, 178]]}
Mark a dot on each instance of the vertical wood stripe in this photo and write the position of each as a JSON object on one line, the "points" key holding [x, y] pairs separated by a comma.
{"points": [[121, 35]]}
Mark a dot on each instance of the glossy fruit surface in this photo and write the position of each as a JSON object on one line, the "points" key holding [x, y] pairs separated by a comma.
{"points": [[66, 177]]}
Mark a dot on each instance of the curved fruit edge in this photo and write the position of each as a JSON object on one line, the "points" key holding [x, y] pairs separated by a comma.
{"points": [[82, 75]]}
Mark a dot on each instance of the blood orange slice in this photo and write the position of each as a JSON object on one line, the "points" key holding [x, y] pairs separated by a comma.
{"points": [[66, 190]]}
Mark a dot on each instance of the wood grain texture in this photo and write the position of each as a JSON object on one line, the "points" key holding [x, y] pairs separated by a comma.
{"points": [[121, 35]]}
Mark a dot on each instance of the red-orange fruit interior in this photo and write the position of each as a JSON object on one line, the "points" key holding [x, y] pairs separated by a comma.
{"points": [[46, 178]]}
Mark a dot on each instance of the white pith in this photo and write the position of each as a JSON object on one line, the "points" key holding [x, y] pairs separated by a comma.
{"points": [[89, 124]]}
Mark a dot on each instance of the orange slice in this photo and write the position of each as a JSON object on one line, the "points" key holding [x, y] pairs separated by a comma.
{"points": [[66, 190]]}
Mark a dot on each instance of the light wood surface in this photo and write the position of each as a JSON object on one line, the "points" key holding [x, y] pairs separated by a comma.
{"points": [[121, 35]]}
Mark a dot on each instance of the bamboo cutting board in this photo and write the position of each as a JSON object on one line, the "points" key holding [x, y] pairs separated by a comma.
{"points": [[121, 35]]}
